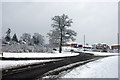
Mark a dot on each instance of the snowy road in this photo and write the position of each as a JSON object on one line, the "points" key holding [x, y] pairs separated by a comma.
{"points": [[103, 68], [34, 71], [20, 59]]}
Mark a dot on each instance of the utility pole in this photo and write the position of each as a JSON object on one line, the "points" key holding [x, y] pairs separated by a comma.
{"points": [[84, 42], [118, 43]]}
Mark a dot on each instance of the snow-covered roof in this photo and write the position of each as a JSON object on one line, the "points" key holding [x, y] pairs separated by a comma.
{"points": [[71, 42], [103, 43], [115, 44], [100, 43], [87, 45]]}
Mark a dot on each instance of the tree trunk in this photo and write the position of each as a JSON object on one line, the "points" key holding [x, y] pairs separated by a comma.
{"points": [[60, 46]]}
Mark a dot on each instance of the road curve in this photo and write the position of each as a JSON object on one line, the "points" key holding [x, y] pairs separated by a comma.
{"points": [[33, 71]]}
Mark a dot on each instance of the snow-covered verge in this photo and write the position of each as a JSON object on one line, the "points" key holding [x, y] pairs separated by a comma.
{"points": [[63, 68], [38, 55], [12, 64], [102, 68], [101, 53]]}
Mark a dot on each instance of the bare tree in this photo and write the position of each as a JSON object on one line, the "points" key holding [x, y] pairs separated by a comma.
{"points": [[58, 34]]}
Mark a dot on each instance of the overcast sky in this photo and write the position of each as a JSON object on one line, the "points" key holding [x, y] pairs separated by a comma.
{"points": [[97, 20]]}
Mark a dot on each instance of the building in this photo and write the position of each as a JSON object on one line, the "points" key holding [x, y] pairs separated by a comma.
{"points": [[80, 46], [100, 47], [71, 44], [87, 47], [115, 46]]}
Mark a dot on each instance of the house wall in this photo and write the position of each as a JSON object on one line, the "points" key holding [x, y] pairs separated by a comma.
{"points": [[115, 47]]}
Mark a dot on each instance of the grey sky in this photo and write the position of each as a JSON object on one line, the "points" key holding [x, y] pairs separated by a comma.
{"points": [[98, 20]]}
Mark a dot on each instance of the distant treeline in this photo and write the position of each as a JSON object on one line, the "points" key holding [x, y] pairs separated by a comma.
{"points": [[26, 43]]}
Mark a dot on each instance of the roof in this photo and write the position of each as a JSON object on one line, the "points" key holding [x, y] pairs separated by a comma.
{"points": [[71, 42], [115, 44], [100, 43], [87, 45]]}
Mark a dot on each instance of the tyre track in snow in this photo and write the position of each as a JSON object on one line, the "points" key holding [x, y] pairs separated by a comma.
{"points": [[31, 72]]}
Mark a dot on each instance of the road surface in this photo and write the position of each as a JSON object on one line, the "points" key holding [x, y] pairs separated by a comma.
{"points": [[32, 72]]}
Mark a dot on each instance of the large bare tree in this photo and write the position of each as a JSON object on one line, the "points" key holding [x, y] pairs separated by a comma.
{"points": [[60, 32]]}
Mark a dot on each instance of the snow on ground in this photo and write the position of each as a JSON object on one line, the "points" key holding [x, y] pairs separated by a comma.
{"points": [[12, 64], [102, 68], [38, 55], [102, 53], [64, 67]]}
